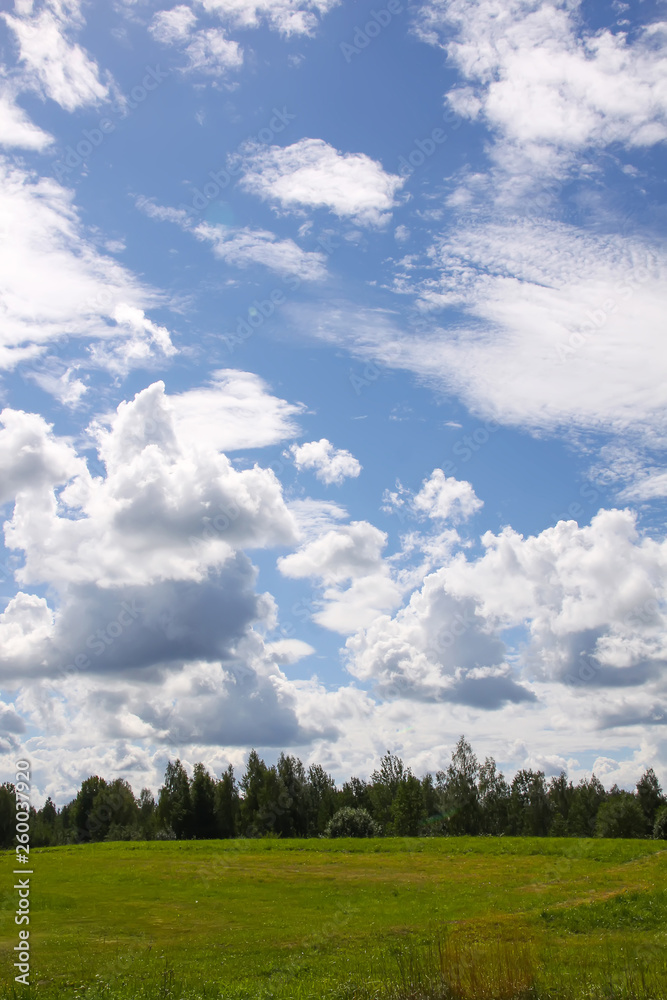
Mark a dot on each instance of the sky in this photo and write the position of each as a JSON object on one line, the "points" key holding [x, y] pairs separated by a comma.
{"points": [[333, 383]]}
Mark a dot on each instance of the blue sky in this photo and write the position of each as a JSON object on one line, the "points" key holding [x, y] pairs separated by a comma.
{"points": [[333, 385]]}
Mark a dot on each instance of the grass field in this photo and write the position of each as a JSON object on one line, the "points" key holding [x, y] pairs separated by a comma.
{"points": [[472, 918]]}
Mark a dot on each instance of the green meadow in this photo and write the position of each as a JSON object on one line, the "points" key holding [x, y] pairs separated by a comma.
{"points": [[462, 918]]}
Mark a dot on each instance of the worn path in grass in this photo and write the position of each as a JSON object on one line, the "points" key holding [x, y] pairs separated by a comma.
{"points": [[288, 912]]}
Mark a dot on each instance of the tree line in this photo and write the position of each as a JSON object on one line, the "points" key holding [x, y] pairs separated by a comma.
{"points": [[289, 800]]}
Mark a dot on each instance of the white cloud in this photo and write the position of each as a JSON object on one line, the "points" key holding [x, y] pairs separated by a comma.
{"points": [[149, 632], [545, 87], [592, 601], [167, 508], [446, 498], [208, 50], [340, 554], [289, 650], [554, 327], [350, 554], [330, 465], [55, 283], [175, 25], [313, 174], [16, 128], [242, 247], [60, 382], [435, 648], [54, 65], [233, 411], [314, 517], [162, 213], [289, 17], [31, 457]]}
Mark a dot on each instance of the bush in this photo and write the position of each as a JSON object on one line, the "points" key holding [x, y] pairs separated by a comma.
{"points": [[621, 816], [349, 822], [660, 827]]}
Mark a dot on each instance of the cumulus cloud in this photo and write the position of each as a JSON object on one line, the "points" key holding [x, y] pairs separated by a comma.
{"points": [[436, 648], [330, 465], [545, 87], [151, 625], [53, 64], [55, 283], [347, 555], [32, 458], [441, 498], [243, 247], [312, 174], [167, 509], [593, 596], [591, 600]]}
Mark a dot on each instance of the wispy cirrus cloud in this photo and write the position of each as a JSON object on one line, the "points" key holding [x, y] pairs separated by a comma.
{"points": [[243, 247], [537, 324]]}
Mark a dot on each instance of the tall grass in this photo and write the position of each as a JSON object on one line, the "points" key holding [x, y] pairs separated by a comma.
{"points": [[453, 967]]}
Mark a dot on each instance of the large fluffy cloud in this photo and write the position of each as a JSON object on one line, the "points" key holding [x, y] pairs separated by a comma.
{"points": [[165, 510], [151, 624], [545, 87], [591, 602]]}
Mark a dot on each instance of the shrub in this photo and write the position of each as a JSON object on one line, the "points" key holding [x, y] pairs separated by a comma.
{"points": [[349, 822]]}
